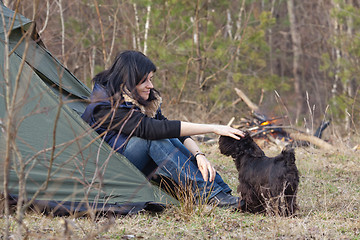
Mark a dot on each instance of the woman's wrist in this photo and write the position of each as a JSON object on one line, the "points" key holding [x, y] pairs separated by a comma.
{"points": [[199, 153]]}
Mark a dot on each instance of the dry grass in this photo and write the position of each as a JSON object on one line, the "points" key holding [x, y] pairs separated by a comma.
{"points": [[328, 197]]}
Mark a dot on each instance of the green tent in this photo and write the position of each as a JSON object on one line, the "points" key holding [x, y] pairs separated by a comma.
{"points": [[67, 167]]}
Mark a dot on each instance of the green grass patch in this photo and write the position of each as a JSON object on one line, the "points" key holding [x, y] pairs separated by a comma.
{"points": [[328, 198]]}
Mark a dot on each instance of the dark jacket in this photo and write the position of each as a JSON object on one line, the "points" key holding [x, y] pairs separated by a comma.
{"points": [[118, 124]]}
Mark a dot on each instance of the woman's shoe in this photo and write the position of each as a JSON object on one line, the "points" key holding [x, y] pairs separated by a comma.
{"points": [[225, 200]]}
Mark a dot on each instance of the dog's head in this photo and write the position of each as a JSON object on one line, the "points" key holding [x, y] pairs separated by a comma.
{"points": [[237, 148]]}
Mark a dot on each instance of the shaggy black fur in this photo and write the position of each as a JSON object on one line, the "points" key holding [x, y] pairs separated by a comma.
{"points": [[267, 185]]}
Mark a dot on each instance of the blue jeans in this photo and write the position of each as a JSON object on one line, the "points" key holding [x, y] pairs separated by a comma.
{"points": [[173, 158]]}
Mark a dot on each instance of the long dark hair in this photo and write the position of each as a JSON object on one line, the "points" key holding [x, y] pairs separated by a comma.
{"points": [[128, 70]]}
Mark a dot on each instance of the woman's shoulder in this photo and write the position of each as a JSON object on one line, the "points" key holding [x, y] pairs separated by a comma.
{"points": [[99, 94], [125, 104]]}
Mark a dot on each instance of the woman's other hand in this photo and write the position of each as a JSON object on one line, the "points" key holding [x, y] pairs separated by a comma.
{"points": [[207, 170]]}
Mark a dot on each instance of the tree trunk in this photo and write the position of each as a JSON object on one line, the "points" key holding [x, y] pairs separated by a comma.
{"points": [[337, 54], [136, 41], [197, 43], [271, 40], [228, 26], [296, 48], [239, 22], [147, 24], [347, 85]]}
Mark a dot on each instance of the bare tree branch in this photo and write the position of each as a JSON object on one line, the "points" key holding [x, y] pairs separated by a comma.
{"points": [[59, 2], [46, 17], [101, 31]]}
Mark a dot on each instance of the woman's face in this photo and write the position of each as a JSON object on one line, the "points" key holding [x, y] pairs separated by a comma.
{"points": [[143, 88]]}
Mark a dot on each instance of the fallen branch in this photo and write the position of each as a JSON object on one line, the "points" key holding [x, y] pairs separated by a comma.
{"points": [[313, 140], [246, 100]]}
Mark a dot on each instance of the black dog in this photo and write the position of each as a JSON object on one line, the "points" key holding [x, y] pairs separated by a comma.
{"points": [[266, 185]]}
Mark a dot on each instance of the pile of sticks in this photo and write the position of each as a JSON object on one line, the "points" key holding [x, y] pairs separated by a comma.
{"points": [[260, 126]]}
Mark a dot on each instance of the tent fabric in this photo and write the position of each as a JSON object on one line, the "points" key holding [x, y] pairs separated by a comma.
{"points": [[65, 161], [79, 209], [18, 20]]}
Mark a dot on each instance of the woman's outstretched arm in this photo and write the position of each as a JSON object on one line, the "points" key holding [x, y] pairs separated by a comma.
{"points": [[189, 129]]}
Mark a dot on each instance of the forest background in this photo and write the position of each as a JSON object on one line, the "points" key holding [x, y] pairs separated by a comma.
{"points": [[295, 59]]}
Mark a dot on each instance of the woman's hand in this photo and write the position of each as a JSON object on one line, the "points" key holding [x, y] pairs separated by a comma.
{"points": [[225, 130], [205, 168]]}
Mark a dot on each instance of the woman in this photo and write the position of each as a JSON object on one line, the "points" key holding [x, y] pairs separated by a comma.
{"points": [[125, 110]]}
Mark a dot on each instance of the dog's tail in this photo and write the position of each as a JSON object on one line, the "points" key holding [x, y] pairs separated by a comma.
{"points": [[289, 154]]}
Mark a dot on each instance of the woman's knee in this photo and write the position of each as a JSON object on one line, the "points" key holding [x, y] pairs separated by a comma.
{"points": [[136, 151], [162, 142], [136, 141]]}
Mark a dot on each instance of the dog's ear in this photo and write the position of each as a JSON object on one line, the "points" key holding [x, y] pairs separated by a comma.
{"points": [[227, 145], [289, 154], [234, 148]]}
